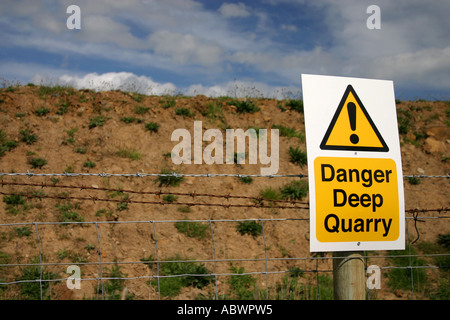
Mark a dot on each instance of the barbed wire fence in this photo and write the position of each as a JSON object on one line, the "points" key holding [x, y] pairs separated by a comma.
{"points": [[150, 273]]}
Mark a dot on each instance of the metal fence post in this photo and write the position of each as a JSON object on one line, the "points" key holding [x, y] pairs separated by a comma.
{"points": [[348, 276]]}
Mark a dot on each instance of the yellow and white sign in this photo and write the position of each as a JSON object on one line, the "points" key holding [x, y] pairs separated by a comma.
{"points": [[354, 164]]}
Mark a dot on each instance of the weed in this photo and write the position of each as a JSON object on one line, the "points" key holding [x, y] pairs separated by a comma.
{"points": [[89, 164], [31, 287], [10, 89], [37, 162], [71, 132], [14, 200], [167, 155], [67, 214], [6, 145], [295, 104], [27, 136], [296, 190], [113, 288], [130, 154], [9, 145], [83, 98], [213, 111], [241, 285], [152, 126], [194, 275], [169, 179], [297, 156], [81, 150], [400, 278], [252, 228], [440, 250], [42, 111], [89, 247], [129, 120], [270, 194], [170, 198], [281, 107], [244, 106], [123, 205], [63, 108], [184, 209], [413, 180], [55, 91], [137, 97], [141, 110], [289, 132], [168, 102], [192, 229], [442, 291], [404, 118], [69, 169], [97, 121], [444, 240], [15, 204], [246, 180], [184, 112], [61, 254], [22, 231], [291, 289], [105, 212]]}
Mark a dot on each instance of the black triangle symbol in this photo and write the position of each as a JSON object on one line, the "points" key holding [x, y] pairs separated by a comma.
{"points": [[325, 146]]}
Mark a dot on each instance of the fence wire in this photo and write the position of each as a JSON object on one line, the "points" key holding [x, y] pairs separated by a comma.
{"points": [[31, 174], [273, 276]]}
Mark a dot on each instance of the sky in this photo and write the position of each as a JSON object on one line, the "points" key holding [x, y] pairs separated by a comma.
{"points": [[233, 48]]}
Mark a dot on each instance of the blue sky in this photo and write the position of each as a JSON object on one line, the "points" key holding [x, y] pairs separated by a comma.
{"points": [[226, 47]]}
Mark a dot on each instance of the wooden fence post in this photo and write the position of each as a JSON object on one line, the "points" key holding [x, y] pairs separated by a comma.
{"points": [[349, 276]]}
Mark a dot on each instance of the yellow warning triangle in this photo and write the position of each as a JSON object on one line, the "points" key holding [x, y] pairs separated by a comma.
{"points": [[352, 128]]}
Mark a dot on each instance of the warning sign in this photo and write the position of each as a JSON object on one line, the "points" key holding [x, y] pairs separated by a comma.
{"points": [[356, 199], [354, 164], [352, 128]]}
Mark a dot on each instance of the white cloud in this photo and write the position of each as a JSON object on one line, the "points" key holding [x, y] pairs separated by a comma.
{"points": [[233, 10], [102, 29], [244, 89], [125, 81], [288, 27], [427, 68], [185, 48]]}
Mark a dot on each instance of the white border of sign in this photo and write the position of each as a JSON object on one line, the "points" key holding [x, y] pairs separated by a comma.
{"points": [[321, 98]]}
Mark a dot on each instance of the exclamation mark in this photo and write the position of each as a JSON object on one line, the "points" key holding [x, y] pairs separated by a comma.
{"points": [[351, 108]]}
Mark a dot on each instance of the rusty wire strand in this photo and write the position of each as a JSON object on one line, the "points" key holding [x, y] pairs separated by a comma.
{"points": [[94, 199], [156, 193]]}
